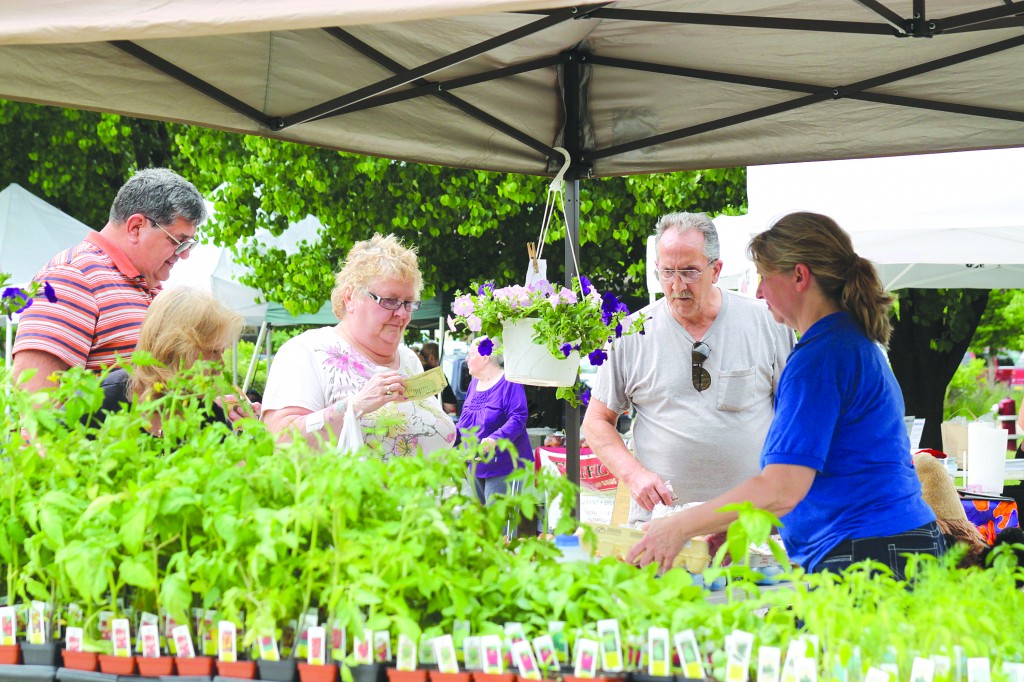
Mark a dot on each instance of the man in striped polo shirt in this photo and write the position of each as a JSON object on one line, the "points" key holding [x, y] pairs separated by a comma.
{"points": [[104, 284]]}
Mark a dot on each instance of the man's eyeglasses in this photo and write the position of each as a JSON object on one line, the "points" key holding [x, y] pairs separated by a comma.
{"points": [[182, 246], [394, 303], [688, 276], [701, 377]]}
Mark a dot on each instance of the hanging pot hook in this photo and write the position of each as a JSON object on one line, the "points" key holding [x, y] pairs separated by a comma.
{"points": [[556, 184]]}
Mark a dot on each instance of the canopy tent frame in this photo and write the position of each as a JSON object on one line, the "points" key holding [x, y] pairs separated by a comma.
{"points": [[380, 93]]}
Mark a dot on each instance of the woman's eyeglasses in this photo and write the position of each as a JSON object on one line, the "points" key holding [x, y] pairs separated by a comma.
{"points": [[182, 246], [701, 377], [394, 303]]}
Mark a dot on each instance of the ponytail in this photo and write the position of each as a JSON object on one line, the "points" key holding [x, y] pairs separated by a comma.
{"points": [[844, 277]]}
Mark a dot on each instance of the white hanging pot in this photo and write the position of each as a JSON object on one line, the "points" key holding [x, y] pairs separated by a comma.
{"points": [[530, 363]]}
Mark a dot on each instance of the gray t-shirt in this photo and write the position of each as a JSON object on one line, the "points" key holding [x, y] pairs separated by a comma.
{"points": [[703, 443]]}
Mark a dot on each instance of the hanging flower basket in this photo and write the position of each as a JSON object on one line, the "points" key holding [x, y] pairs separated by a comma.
{"points": [[567, 323]]}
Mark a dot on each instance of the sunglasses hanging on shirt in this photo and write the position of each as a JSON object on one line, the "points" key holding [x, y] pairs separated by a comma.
{"points": [[701, 377]]}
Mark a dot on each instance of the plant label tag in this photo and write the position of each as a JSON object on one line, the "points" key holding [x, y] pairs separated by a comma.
{"points": [[556, 628], [738, 650], [35, 632], [8, 626], [362, 648], [267, 646], [547, 657], [209, 633], [978, 670], [75, 615], [796, 650], [636, 651], [471, 653], [490, 647], [169, 625], [1014, 671], [659, 658], [427, 651], [922, 670], [146, 618], [769, 662], [959, 663], [121, 637], [149, 637], [226, 644], [306, 621], [183, 642], [587, 651], [943, 666], [444, 653], [876, 675], [807, 670], [316, 652], [338, 641], [406, 653], [689, 655], [73, 639], [514, 632], [522, 654], [382, 646], [104, 624], [611, 644]]}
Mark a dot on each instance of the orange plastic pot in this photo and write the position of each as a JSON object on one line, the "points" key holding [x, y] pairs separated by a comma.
{"points": [[155, 667], [396, 675], [494, 677], [318, 673], [199, 666], [81, 660], [117, 665], [438, 676], [245, 670], [10, 654]]}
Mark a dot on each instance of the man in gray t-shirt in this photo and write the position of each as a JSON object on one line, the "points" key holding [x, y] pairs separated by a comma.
{"points": [[701, 378]]}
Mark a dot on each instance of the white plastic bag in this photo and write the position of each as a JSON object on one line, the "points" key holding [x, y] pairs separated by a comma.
{"points": [[351, 438]]}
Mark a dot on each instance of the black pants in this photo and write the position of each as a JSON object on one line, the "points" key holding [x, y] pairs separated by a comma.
{"points": [[888, 550]]}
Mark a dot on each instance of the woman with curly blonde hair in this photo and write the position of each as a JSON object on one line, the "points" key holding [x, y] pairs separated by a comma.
{"points": [[360, 363]]}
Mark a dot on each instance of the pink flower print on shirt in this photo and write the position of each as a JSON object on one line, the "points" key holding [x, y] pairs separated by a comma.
{"points": [[343, 361]]}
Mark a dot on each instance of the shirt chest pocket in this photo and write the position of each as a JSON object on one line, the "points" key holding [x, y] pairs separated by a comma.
{"points": [[736, 389]]}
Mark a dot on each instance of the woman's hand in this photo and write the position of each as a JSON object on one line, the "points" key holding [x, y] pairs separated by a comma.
{"points": [[381, 389], [661, 543], [238, 407]]}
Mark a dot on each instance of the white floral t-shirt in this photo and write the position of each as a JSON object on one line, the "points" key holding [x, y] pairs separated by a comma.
{"points": [[318, 368]]}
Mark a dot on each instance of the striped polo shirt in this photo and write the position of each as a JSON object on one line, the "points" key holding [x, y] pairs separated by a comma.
{"points": [[101, 300]]}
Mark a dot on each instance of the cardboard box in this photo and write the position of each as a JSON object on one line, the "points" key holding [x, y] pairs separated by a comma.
{"points": [[615, 541]]}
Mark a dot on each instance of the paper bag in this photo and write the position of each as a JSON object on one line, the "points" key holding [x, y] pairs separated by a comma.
{"points": [[954, 441], [986, 457]]}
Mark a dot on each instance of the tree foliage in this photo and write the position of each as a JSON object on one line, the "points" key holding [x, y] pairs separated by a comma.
{"points": [[467, 225]]}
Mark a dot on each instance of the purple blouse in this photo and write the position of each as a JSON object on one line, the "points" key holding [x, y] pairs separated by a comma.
{"points": [[499, 412]]}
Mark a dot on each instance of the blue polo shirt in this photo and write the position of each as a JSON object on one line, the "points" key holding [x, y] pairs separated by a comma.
{"points": [[839, 411]]}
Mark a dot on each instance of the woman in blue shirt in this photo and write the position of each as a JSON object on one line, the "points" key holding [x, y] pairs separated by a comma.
{"points": [[495, 409], [836, 463]]}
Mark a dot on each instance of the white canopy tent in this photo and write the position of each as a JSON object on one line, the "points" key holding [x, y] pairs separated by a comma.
{"points": [[938, 221], [31, 232]]}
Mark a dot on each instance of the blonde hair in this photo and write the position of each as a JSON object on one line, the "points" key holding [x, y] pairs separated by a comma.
{"points": [[181, 325], [380, 257], [818, 242]]}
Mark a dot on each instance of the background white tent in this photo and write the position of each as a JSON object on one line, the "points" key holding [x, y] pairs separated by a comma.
{"points": [[31, 232], [951, 220]]}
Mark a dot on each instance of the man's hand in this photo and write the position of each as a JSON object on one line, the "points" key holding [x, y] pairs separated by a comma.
{"points": [[647, 488], [661, 544]]}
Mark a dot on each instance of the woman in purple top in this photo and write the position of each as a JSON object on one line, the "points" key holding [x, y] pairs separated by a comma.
{"points": [[495, 409]]}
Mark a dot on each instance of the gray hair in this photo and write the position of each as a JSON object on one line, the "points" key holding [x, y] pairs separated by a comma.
{"points": [[684, 222], [161, 195]]}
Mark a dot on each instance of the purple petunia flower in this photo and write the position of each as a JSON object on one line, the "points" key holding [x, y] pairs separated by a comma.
{"points": [[585, 397], [566, 349], [618, 330], [50, 294], [485, 347], [597, 357], [485, 288], [584, 285], [15, 292]]}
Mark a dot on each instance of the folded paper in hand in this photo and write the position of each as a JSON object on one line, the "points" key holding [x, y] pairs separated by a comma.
{"points": [[425, 384]]}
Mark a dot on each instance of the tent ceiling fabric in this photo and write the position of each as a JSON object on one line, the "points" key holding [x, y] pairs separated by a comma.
{"points": [[669, 84]]}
